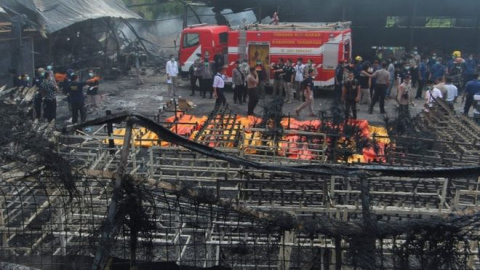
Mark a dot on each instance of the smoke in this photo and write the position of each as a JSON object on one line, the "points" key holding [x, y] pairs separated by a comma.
{"points": [[163, 35]]}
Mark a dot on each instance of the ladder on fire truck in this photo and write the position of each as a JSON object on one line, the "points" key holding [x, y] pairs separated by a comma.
{"points": [[301, 26], [242, 44]]}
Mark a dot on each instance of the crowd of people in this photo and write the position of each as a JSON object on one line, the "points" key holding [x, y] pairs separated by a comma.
{"points": [[416, 76], [356, 82], [50, 84], [249, 82], [208, 78]]}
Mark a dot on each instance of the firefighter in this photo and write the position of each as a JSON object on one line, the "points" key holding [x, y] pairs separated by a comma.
{"points": [[451, 62], [351, 95], [278, 81], [358, 66], [456, 72]]}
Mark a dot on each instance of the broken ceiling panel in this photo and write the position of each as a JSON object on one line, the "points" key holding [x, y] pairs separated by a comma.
{"points": [[54, 15]]}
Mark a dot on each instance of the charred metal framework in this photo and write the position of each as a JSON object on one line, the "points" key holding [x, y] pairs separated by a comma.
{"points": [[73, 199]]}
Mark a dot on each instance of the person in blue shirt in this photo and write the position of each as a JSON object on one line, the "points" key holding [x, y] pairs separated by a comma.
{"points": [[422, 77], [470, 67], [451, 64], [472, 88], [432, 61], [358, 67], [437, 71]]}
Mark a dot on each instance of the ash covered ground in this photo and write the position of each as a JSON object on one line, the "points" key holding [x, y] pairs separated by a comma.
{"points": [[124, 95]]}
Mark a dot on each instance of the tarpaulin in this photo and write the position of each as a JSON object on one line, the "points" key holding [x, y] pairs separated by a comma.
{"points": [[54, 15]]}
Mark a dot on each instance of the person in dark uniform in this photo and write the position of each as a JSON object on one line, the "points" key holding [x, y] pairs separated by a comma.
{"points": [[262, 78], [289, 77], [48, 90], [339, 73], [278, 80], [365, 82], [77, 99], [471, 89], [351, 95], [308, 93], [38, 99], [16, 78], [25, 81]]}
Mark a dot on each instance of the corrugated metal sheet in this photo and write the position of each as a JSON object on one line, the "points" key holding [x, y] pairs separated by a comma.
{"points": [[54, 15]]}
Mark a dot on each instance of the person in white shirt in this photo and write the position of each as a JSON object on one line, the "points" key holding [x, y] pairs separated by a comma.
{"points": [[299, 69], [451, 93], [432, 94], [218, 87], [172, 72]]}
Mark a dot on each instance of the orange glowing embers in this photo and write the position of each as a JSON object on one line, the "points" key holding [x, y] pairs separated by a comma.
{"points": [[299, 140]]}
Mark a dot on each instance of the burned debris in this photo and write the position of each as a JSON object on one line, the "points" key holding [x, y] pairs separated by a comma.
{"points": [[71, 195]]}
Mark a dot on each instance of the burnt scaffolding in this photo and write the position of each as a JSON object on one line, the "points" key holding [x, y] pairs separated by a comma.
{"points": [[74, 200]]}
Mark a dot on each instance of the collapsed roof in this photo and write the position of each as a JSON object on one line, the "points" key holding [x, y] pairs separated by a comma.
{"points": [[53, 15]]}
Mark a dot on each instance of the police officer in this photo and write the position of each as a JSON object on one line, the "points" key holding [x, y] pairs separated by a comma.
{"points": [[351, 95], [278, 81]]}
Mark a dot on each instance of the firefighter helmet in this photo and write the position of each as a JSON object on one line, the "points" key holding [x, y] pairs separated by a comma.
{"points": [[358, 58], [457, 54]]}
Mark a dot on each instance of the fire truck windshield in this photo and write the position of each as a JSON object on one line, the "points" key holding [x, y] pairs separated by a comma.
{"points": [[190, 40]]}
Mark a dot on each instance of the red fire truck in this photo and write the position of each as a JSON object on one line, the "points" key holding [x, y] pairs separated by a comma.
{"points": [[325, 44]]}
